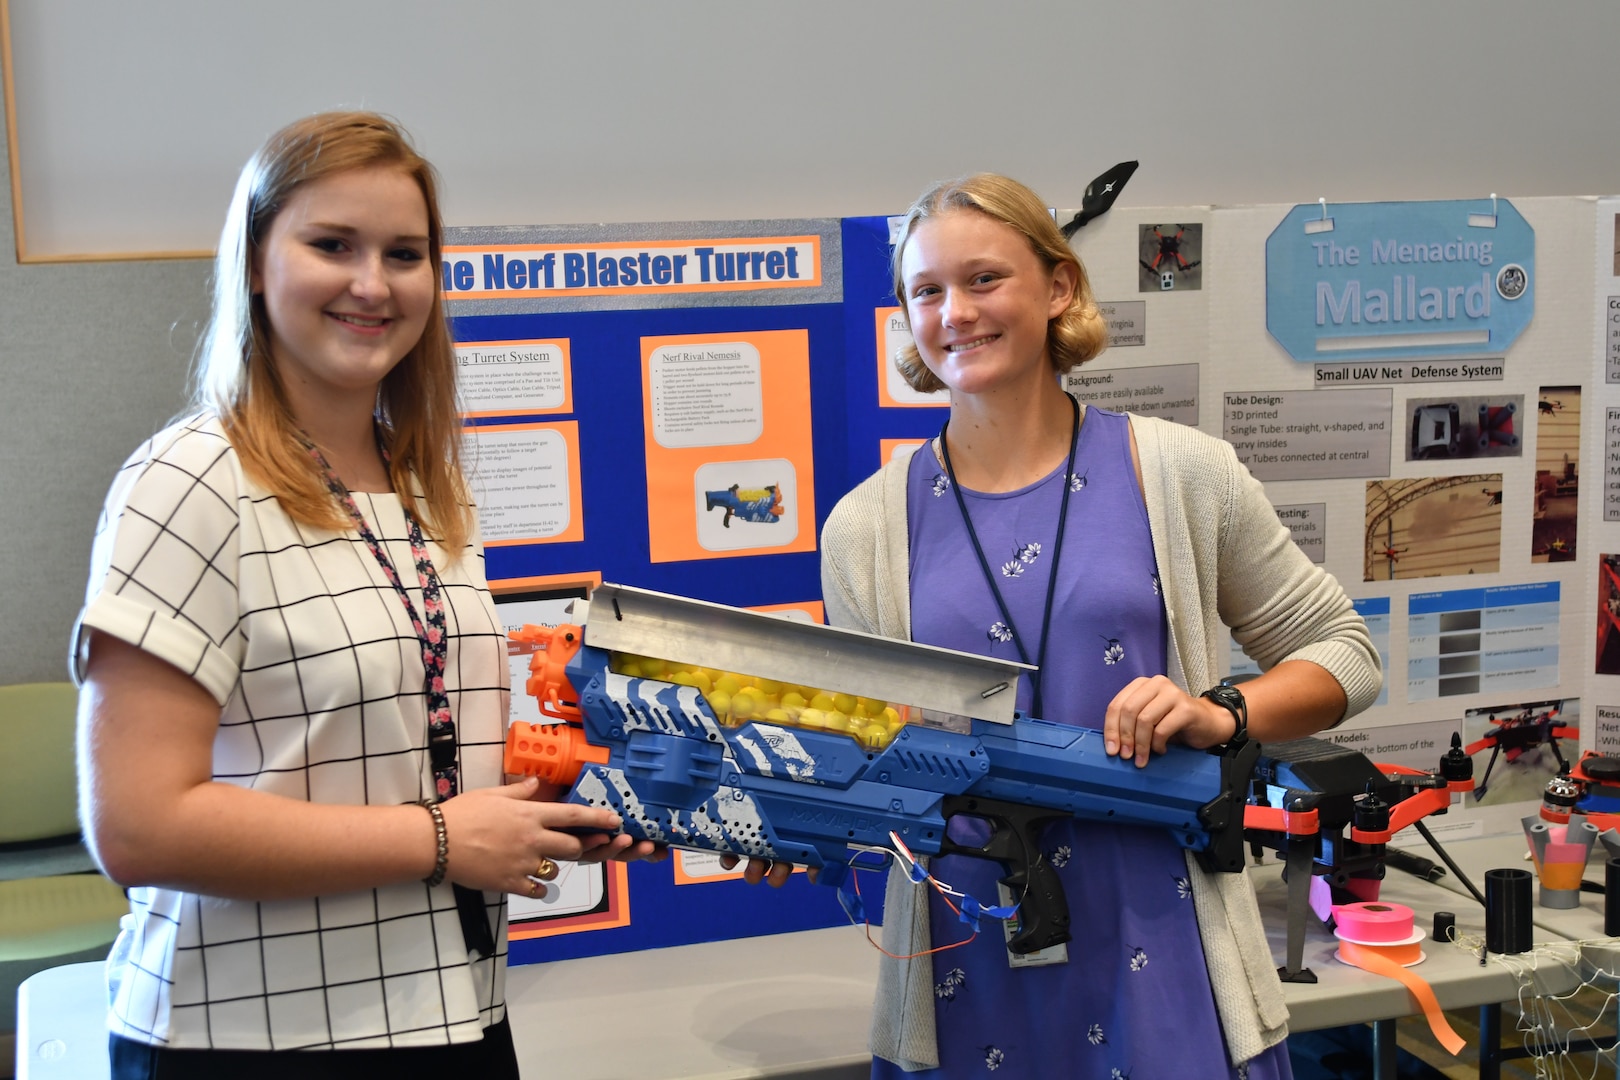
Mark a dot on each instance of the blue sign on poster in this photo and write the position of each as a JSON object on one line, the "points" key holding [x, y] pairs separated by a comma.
{"points": [[1365, 281]]}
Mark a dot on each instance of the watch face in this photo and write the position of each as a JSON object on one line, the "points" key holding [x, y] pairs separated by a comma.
{"points": [[1232, 699]]}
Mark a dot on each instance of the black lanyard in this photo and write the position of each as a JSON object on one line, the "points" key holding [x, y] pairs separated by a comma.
{"points": [[435, 647], [1057, 551]]}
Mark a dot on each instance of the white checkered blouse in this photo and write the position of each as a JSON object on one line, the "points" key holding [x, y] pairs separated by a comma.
{"points": [[307, 648]]}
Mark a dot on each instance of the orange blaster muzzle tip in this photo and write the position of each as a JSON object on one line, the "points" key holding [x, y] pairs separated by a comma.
{"points": [[556, 753]]}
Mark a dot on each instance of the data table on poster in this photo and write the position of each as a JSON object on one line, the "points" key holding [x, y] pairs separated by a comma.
{"points": [[1472, 641]]}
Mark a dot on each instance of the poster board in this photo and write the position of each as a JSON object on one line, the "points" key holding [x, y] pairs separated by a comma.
{"points": [[714, 427]]}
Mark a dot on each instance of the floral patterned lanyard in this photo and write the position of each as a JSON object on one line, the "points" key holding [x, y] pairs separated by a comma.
{"points": [[441, 728]]}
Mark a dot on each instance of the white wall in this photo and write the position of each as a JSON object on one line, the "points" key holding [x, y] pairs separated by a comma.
{"points": [[133, 118]]}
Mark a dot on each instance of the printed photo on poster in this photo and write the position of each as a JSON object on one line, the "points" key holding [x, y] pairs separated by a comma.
{"points": [[1558, 474], [1433, 526], [1171, 257], [746, 504], [1608, 634], [1464, 427], [1517, 748]]}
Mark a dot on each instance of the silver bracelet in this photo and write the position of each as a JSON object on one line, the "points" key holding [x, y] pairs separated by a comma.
{"points": [[441, 859]]}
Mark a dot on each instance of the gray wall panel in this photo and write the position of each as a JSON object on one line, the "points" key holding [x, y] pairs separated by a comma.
{"points": [[95, 358]]}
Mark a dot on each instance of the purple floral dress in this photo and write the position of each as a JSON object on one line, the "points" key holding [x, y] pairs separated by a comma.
{"points": [[1134, 999]]}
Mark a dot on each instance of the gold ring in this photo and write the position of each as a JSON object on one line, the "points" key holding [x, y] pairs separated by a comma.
{"points": [[546, 870], [534, 890]]}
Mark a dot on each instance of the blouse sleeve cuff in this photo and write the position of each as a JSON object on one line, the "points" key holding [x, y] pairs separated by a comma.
{"points": [[171, 640]]}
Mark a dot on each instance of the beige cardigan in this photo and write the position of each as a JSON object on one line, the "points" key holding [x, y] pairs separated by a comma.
{"points": [[1224, 561]]}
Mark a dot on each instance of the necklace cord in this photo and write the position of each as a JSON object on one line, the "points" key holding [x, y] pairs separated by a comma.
{"points": [[1057, 550]]}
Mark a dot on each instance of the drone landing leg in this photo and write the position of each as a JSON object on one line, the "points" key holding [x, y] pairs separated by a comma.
{"points": [[1301, 856], [1479, 789], [1563, 766]]}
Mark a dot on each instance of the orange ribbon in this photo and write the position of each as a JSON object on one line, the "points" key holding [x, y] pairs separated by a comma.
{"points": [[1388, 960]]}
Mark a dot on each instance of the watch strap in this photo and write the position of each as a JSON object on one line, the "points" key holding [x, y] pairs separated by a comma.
{"points": [[1231, 699]]}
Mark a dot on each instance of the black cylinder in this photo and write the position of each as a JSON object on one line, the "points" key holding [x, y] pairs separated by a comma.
{"points": [[1445, 926], [1507, 910], [1611, 898]]}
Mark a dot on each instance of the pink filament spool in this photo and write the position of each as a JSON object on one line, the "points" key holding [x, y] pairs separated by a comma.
{"points": [[1376, 923]]}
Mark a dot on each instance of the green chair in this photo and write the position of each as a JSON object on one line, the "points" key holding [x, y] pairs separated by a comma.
{"points": [[55, 907]]}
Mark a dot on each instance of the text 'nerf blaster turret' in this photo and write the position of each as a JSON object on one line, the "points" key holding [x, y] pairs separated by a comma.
{"points": [[717, 729]]}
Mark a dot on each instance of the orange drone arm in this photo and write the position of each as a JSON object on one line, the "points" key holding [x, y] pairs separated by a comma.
{"points": [[1276, 819]]}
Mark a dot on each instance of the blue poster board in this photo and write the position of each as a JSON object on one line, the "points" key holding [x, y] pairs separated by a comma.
{"points": [[603, 329]]}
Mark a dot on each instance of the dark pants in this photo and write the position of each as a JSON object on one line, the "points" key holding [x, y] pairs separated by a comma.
{"points": [[490, 1059]]}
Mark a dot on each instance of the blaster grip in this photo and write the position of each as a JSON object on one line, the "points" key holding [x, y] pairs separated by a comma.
{"points": [[1015, 842], [1223, 815]]}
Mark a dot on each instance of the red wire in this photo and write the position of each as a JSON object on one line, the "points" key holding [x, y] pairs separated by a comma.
{"points": [[866, 924]]}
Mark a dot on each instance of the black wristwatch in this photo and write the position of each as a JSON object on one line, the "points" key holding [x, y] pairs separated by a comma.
{"points": [[1230, 698]]}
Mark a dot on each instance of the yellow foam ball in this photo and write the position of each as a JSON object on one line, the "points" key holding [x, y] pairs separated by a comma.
{"points": [[821, 700]]}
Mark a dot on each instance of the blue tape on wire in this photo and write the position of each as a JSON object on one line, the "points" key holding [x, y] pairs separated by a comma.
{"points": [[969, 911], [851, 901]]}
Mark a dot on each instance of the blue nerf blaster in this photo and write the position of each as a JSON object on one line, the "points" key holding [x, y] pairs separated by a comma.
{"points": [[717, 729]]}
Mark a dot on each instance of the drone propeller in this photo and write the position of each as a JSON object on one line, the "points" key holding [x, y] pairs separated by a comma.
{"points": [[1100, 195]]}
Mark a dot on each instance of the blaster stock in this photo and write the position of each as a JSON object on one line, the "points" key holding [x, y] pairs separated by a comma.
{"points": [[691, 758]]}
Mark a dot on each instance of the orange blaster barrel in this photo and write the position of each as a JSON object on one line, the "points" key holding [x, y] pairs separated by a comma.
{"points": [[554, 752]]}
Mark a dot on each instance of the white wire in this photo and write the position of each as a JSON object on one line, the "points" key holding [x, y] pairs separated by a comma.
{"points": [[1549, 1022]]}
